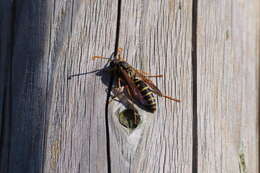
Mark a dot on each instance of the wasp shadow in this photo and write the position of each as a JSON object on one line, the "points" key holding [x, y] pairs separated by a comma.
{"points": [[103, 73]]}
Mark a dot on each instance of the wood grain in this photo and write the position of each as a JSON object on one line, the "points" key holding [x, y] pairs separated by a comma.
{"points": [[57, 125], [51, 124], [228, 86], [76, 140], [156, 37], [22, 122]]}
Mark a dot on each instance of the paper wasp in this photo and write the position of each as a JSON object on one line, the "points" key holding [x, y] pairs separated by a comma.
{"points": [[135, 83]]}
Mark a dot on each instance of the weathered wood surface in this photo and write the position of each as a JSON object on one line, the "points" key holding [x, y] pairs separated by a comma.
{"points": [[228, 86], [57, 125], [158, 40], [51, 124]]}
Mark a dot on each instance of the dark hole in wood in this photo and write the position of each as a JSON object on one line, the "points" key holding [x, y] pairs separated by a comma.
{"points": [[129, 118]]}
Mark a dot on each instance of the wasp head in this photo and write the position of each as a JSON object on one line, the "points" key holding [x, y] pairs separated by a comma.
{"points": [[123, 64]]}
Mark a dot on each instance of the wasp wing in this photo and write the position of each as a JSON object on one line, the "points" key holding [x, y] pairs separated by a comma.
{"points": [[152, 86], [134, 92]]}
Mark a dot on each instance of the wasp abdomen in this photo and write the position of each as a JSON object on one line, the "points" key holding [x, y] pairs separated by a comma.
{"points": [[147, 93]]}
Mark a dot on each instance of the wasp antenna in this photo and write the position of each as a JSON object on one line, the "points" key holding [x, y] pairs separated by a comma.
{"points": [[168, 97], [75, 75], [100, 57], [71, 76], [82, 74]]}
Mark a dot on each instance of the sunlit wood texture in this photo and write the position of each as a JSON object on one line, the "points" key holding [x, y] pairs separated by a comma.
{"points": [[228, 86], [156, 36], [53, 125]]}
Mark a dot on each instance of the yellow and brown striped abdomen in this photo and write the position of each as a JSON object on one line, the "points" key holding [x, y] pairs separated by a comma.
{"points": [[147, 93]]}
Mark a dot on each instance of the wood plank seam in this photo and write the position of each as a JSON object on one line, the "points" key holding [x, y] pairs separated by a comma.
{"points": [[118, 25], [109, 90], [194, 88]]}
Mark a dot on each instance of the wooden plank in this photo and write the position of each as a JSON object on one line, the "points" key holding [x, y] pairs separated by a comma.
{"points": [[21, 49], [228, 86], [77, 133], [5, 64], [58, 125], [156, 37], [50, 124], [5, 30]]}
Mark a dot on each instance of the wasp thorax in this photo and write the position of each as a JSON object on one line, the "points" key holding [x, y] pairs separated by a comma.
{"points": [[123, 64], [112, 63]]}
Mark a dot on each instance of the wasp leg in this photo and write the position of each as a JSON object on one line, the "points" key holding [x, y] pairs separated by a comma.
{"points": [[113, 97], [159, 75], [119, 54], [119, 83], [142, 72], [118, 87], [171, 98], [101, 57], [127, 91], [147, 74]]}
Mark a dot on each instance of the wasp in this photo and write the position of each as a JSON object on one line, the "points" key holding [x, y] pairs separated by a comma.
{"points": [[134, 82]]}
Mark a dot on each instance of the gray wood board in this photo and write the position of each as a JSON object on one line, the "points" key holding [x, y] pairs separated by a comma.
{"points": [[5, 68], [156, 37], [51, 124], [22, 47], [228, 86], [76, 140]]}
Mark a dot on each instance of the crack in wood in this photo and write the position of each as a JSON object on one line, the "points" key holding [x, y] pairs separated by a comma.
{"points": [[194, 88], [110, 88]]}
